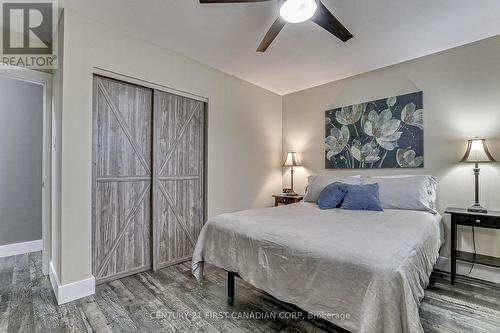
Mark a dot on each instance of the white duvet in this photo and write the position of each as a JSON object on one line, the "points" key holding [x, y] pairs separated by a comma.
{"points": [[363, 271]]}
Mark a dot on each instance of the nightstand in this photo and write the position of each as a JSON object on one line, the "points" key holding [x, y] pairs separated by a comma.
{"points": [[286, 199], [460, 216]]}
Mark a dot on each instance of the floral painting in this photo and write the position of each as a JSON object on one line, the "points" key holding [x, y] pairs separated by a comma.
{"points": [[387, 133]]}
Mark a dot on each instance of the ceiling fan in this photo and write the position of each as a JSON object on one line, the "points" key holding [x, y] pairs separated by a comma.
{"points": [[298, 11]]}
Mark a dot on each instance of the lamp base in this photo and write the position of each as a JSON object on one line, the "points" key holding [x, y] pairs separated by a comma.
{"points": [[477, 209]]}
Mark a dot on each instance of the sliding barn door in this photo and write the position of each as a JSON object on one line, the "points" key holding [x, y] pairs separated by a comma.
{"points": [[178, 194], [121, 229]]}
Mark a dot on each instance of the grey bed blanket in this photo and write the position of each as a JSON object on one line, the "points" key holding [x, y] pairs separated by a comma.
{"points": [[363, 271]]}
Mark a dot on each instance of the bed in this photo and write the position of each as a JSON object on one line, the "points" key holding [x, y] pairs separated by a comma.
{"points": [[363, 271]]}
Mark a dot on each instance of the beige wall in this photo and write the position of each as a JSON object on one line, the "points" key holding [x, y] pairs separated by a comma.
{"points": [[244, 129], [461, 100]]}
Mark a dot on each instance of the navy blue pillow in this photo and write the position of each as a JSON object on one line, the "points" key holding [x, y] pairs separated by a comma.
{"points": [[332, 196], [362, 197]]}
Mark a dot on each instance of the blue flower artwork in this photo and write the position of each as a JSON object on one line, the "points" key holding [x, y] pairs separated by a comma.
{"points": [[387, 133]]}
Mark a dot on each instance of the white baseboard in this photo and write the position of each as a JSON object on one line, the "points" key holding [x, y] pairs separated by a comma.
{"points": [[481, 272], [20, 248], [71, 291]]}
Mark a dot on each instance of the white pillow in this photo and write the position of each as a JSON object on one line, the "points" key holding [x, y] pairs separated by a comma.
{"points": [[406, 192], [316, 184]]}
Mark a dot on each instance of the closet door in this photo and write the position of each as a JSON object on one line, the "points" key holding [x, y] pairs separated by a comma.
{"points": [[178, 184], [121, 226]]}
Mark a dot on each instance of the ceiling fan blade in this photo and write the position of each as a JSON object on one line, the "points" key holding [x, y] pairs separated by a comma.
{"points": [[231, 1], [325, 19], [271, 34]]}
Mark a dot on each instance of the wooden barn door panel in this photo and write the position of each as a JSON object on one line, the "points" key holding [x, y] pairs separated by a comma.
{"points": [[178, 171], [121, 227]]}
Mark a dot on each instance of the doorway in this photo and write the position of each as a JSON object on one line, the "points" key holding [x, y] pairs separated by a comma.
{"points": [[25, 162]]}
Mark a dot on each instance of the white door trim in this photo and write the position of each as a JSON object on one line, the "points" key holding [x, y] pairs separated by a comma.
{"points": [[45, 80]]}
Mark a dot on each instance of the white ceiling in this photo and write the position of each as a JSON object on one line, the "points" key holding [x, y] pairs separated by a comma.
{"points": [[304, 55]]}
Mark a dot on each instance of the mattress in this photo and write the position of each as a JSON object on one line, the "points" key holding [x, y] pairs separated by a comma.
{"points": [[363, 271]]}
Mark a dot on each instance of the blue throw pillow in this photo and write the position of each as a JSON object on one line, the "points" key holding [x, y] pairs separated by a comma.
{"points": [[332, 196], [362, 197]]}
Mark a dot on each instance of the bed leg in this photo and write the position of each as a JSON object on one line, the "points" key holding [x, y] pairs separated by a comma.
{"points": [[230, 287]]}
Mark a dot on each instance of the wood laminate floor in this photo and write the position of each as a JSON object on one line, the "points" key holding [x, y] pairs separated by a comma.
{"points": [[170, 300]]}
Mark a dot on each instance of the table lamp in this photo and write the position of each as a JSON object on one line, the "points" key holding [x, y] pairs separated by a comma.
{"points": [[291, 161], [477, 152]]}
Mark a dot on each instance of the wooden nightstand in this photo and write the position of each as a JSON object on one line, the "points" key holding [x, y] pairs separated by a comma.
{"points": [[460, 216], [286, 199]]}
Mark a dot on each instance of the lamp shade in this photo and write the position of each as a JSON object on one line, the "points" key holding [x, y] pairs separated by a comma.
{"points": [[291, 160], [477, 152]]}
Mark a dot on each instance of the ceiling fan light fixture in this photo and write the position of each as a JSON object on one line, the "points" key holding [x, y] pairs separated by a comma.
{"points": [[298, 11]]}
